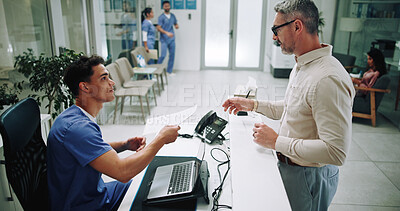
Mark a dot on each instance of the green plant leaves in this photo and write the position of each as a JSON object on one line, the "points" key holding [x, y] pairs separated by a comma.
{"points": [[45, 74], [8, 96]]}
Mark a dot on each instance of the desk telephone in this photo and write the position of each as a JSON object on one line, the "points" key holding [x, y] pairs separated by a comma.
{"points": [[213, 126]]}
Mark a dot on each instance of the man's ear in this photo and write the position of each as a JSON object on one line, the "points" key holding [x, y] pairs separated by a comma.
{"points": [[299, 26], [83, 87]]}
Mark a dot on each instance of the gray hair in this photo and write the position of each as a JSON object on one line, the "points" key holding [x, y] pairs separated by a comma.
{"points": [[305, 10]]}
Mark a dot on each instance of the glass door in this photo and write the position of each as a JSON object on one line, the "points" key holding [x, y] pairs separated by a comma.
{"points": [[217, 34], [75, 25], [232, 34], [115, 27], [23, 25], [249, 34]]}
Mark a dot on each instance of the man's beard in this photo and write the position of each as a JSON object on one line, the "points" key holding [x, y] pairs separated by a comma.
{"points": [[287, 50], [167, 10]]}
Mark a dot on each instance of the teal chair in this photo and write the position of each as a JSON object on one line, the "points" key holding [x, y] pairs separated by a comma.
{"points": [[25, 154], [365, 106]]}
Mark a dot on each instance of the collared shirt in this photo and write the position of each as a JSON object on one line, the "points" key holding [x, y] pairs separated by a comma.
{"points": [[315, 115]]}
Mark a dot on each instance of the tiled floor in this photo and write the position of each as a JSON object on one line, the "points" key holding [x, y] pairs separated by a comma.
{"points": [[370, 178]]}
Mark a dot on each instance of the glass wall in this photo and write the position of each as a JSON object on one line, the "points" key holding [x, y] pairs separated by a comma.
{"points": [[115, 25], [74, 25], [23, 25]]}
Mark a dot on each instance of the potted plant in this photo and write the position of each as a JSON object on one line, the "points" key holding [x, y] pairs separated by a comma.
{"points": [[7, 96], [45, 75]]}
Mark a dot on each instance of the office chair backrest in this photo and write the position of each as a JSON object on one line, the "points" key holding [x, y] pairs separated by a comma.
{"points": [[125, 69], [25, 154], [381, 83], [113, 69]]}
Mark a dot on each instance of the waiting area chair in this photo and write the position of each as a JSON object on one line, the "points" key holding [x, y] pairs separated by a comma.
{"points": [[160, 68], [146, 56], [25, 154], [127, 73], [366, 106], [121, 92], [348, 61], [126, 54]]}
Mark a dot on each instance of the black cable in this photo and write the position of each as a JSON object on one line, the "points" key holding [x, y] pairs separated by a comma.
{"points": [[185, 135], [218, 190]]}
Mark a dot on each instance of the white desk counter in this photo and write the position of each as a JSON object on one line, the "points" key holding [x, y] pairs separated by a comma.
{"points": [[254, 182]]}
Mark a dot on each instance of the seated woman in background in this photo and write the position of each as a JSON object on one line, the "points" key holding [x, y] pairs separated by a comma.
{"points": [[376, 68]]}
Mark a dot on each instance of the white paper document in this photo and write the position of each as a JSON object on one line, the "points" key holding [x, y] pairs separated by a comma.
{"points": [[153, 125]]}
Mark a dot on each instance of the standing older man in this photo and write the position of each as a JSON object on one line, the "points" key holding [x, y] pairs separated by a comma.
{"points": [[315, 115]]}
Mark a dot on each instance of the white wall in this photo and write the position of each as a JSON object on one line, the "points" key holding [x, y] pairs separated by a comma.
{"points": [[328, 9], [188, 39], [188, 36]]}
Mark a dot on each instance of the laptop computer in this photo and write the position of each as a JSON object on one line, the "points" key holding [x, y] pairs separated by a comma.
{"points": [[176, 179]]}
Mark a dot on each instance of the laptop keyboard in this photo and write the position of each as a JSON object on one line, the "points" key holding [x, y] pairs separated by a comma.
{"points": [[180, 178]]}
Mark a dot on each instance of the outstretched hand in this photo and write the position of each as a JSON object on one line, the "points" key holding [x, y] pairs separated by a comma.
{"points": [[237, 104], [169, 133], [136, 143]]}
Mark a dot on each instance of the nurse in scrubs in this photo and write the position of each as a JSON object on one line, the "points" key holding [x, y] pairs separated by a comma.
{"points": [[148, 31], [166, 23]]}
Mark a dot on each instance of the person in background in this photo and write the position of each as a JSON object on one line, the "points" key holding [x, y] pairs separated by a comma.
{"points": [[128, 25], [148, 31], [166, 23], [77, 154], [315, 115], [376, 68]]}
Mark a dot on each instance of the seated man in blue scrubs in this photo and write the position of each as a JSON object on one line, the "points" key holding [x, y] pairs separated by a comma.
{"points": [[77, 154]]}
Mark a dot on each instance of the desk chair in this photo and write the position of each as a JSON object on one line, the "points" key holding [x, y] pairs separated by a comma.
{"points": [[25, 154], [160, 68], [366, 106], [121, 92]]}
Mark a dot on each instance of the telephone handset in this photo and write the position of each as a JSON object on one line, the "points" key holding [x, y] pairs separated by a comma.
{"points": [[213, 126]]}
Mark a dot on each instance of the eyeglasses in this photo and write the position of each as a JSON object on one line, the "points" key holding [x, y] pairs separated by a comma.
{"points": [[274, 28]]}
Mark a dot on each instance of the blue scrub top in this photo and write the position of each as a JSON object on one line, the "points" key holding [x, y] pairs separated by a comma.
{"points": [[74, 141], [167, 25], [148, 27]]}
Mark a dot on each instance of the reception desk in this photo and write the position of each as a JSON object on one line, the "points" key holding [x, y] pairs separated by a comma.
{"points": [[253, 183]]}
